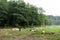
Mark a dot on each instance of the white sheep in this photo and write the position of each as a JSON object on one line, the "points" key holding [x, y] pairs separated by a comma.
{"points": [[33, 30], [43, 32], [15, 29]]}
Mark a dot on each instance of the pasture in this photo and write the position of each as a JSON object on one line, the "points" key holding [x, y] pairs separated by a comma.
{"points": [[44, 33]]}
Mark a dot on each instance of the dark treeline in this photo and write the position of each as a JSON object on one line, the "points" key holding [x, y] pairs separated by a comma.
{"points": [[13, 13], [54, 20]]}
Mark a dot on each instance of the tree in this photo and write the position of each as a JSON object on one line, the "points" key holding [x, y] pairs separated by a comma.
{"points": [[18, 12], [43, 18]]}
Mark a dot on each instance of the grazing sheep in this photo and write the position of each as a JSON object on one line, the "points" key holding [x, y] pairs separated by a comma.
{"points": [[15, 29], [33, 30], [43, 32]]}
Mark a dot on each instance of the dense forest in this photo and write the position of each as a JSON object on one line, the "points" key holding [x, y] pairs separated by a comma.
{"points": [[15, 13]]}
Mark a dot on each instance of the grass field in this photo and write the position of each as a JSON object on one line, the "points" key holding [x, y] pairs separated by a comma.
{"points": [[8, 33]]}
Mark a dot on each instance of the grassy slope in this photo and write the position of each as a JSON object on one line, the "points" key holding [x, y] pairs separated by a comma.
{"points": [[9, 33]]}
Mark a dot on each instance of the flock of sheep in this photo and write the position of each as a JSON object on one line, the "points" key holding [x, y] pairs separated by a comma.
{"points": [[34, 30]]}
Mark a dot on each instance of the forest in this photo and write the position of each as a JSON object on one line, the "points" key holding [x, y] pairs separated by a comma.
{"points": [[17, 13]]}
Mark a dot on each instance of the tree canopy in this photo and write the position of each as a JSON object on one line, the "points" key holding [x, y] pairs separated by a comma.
{"points": [[14, 13]]}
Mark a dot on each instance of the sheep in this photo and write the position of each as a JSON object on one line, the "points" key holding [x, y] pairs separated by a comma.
{"points": [[15, 29], [43, 32], [33, 30]]}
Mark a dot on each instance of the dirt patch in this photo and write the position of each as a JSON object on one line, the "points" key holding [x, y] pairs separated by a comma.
{"points": [[22, 38]]}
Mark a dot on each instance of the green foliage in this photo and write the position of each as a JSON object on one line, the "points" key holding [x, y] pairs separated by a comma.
{"points": [[17, 12], [43, 19]]}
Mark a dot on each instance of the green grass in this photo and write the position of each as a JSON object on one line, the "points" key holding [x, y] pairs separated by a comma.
{"points": [[7, 32], [55, 29]]}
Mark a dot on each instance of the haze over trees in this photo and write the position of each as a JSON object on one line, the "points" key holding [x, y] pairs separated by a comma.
{"points": [[54, 20]]}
